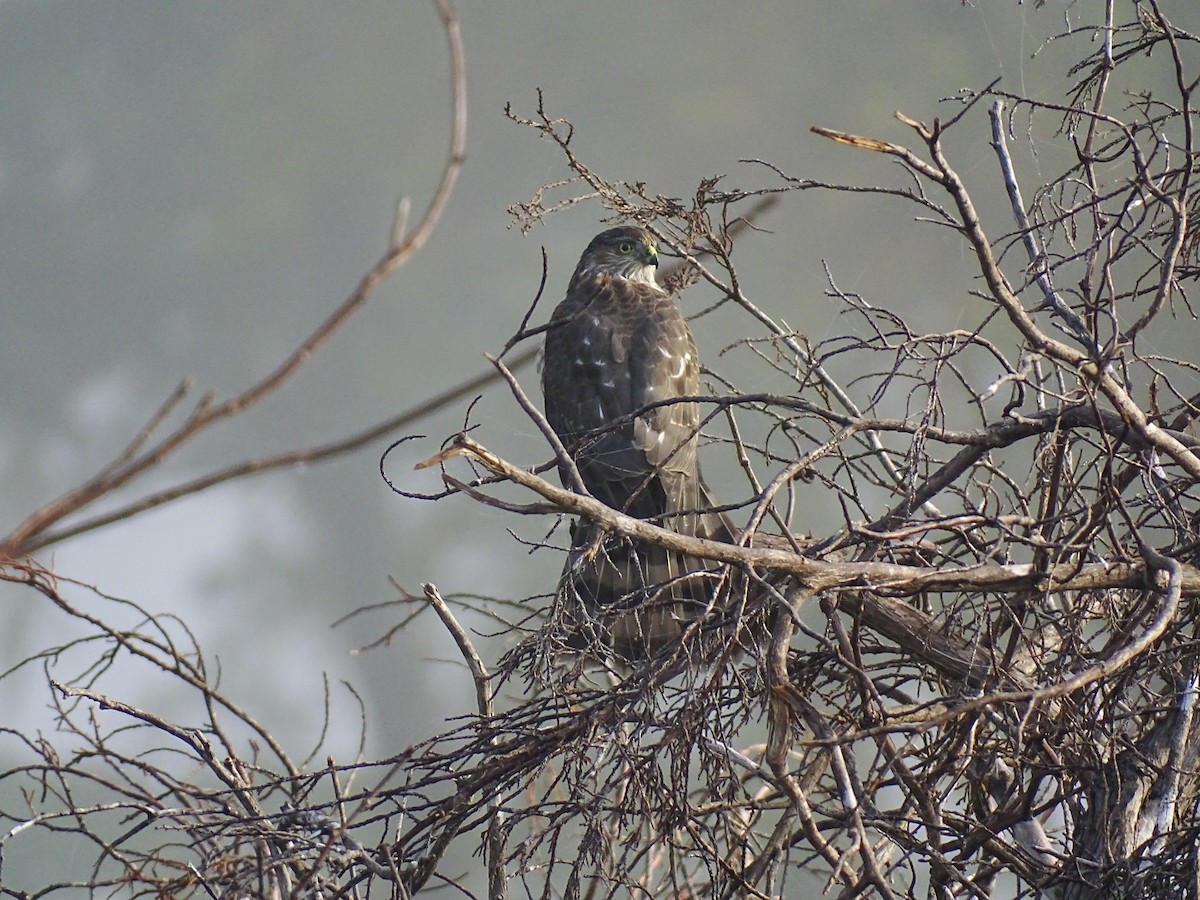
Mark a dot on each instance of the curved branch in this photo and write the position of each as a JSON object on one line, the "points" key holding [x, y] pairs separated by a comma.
{"points": [[891, 578], [206, 413]]}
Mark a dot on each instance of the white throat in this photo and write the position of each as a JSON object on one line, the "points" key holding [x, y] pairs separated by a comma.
{"points": [[645, 275]]}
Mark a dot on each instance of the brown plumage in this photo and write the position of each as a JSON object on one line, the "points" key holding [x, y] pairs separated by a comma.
{"points": [[616, 344]]}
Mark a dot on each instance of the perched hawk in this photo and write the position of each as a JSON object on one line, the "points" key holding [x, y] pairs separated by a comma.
{"points": [[615, 345]]}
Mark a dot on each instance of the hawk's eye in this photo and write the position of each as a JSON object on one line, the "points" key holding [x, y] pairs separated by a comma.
{"points": [[625, 248]]}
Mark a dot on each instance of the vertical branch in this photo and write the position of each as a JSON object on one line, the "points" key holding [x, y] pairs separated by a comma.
{"points": [[496, 834]]}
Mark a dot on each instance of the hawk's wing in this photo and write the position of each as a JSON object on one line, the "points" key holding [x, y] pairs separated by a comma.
{"points": [[614, 347]]}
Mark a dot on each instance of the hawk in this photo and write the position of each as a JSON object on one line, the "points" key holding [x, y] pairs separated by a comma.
{"points": [[617, 351]]}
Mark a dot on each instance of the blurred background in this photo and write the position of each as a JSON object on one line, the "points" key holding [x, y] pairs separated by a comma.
{"points": [[187, 190]]}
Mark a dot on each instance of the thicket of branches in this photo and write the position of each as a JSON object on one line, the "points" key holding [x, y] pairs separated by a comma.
{"points": [[983, 684]]}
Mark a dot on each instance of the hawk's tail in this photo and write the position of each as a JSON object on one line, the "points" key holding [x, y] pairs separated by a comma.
{"points": [[637, 598]]}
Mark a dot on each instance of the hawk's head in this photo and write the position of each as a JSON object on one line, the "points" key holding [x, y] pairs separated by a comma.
{"points": [[625, 252]]}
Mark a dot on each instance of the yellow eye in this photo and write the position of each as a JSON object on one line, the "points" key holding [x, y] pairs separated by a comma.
{"points": [[625, 248]]}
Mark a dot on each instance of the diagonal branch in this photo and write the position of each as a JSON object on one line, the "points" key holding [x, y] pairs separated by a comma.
{"points": [[207, 412]]}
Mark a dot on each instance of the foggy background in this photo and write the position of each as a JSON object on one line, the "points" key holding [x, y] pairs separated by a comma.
{"points": [[188, 189]]}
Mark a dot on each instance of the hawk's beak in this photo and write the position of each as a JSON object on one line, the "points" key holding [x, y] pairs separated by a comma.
{"points": [[652, 256]]}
